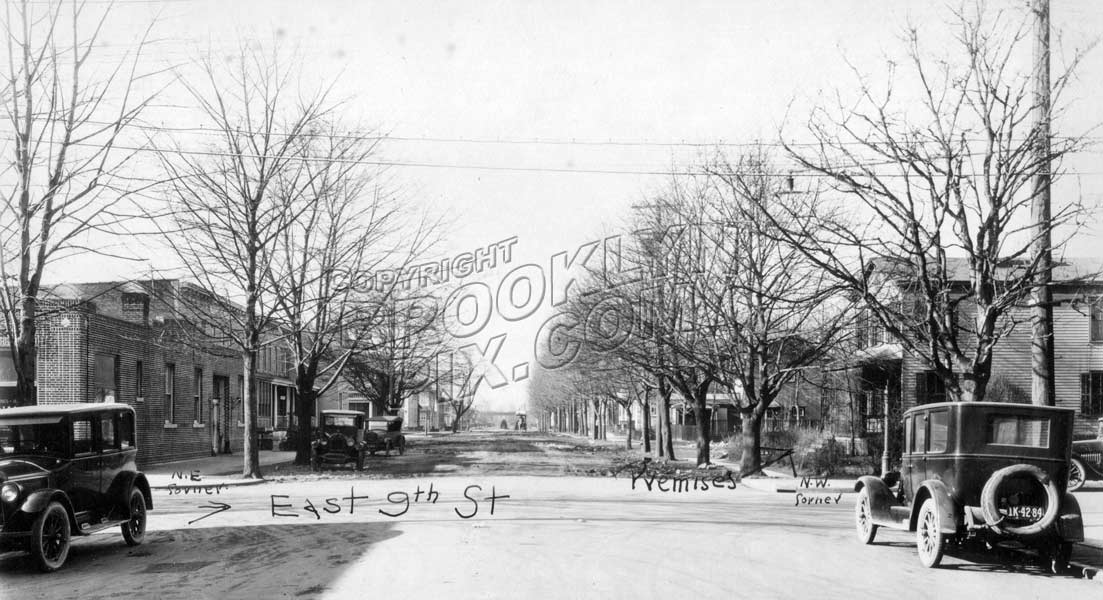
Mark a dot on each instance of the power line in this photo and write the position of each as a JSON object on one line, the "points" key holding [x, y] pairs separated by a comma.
{"points": [[354, 135]]}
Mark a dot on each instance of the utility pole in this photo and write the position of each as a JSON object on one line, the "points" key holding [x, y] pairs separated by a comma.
{"points": [[1041, 344]]}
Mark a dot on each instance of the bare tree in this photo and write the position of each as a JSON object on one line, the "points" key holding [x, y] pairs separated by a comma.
{"points": [[65, 179], [401, 341], [231, 205], [928, 226], [324, 258], [773, 313]]}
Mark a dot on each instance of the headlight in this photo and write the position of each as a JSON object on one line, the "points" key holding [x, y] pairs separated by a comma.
{"points": [[10, 492]]}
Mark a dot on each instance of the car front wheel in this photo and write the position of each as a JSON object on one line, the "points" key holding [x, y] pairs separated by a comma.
{"points": [[402, 446], [863, 518], [134, 530], [928, 535], [1076, 475], [50, 538]]}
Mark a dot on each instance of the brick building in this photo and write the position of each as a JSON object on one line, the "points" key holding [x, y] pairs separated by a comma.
{"points": [[133, 343]]}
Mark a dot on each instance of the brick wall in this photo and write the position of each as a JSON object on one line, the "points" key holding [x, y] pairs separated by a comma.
{"points": [[72, 340]]}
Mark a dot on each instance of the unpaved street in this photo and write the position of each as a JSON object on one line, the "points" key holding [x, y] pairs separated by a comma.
{"points": [[548, 537]]}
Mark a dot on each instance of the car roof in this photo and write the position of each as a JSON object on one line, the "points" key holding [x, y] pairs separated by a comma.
{"points": [[62, 409]]}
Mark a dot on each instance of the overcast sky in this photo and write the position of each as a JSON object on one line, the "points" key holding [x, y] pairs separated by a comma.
{"points": [[488, 96]]}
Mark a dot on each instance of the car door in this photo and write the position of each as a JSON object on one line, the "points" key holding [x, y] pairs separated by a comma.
{"points": [[914, 460], [113, 458], [85, 465]]}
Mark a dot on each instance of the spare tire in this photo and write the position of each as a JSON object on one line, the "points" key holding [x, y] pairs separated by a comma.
{"points": [[990, 506]]}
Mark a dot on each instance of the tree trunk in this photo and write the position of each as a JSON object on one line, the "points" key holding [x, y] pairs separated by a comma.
{"points": [[26, 351], [752, 443], [597, 419], [304, 411], [251, 468], [667, 442], [647, 422], [704, 429], [631, 425]]}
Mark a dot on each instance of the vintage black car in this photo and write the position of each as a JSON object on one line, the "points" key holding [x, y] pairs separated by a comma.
{"points": [[385, 433], [978, 471], [68, 469], [1087, 460], [339, 439]]}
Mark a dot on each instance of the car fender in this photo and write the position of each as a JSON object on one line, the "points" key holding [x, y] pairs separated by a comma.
{"points": [[38, 500], [949, 515], [880, 497], [1070, 523], [124, 482]]}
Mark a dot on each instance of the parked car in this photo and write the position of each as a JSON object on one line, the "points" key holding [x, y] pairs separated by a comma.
{"points": [[385, 433], [980, 471], [1087, 460], [339, 439], [65, 470]]}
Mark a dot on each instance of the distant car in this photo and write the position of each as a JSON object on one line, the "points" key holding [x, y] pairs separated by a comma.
{"points": [[1087, 460], [339, 440], [979, 470], [68, 469], [385, 433]]}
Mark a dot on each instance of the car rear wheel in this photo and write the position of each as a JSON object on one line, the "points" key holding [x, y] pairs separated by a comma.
{"points": [[928, 535], [863, 518], [402, 446], [134, 530], [50, 538], [1076, 475]]}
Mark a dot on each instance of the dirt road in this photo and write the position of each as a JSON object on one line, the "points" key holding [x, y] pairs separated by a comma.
{"points": [[478, 532]]}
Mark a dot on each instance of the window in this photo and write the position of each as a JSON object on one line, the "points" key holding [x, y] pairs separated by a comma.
{"points": [[139, 381], [106, 377], [929, 388], [170, 392], [908, 435], [1091, 393], [1097, 320], [108, 439], [82, 435], [940, 430], [197, 396], [920, 435], [1018, 431], [125, 433]]}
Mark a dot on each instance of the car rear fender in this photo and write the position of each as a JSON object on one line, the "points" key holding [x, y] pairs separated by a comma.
{"points": [[880, 497], [126, 481], [949, 515], [38, 500], [1070, 523]]}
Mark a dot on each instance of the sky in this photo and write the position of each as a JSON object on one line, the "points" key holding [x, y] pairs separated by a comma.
{"points": [[547, 121]]}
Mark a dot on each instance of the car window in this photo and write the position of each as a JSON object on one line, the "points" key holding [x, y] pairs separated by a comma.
{"points": [[920, 433], [1009, 430], [940, 429], [908, 435], [82, 435], [108, 439], [125, 433]]}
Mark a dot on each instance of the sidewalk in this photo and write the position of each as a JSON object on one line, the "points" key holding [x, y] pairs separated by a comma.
{"points": [[211, 472]]}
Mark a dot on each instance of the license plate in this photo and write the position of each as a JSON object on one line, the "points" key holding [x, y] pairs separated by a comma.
{"points": [[1029, 513]]}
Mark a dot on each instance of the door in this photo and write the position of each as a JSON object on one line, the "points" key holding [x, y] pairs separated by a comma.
{"points": [[915, 428], [221, 421], [86, 461]]}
